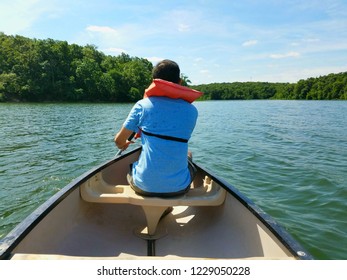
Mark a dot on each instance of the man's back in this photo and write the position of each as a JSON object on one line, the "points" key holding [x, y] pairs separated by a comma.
{"points": [[162, 166]]}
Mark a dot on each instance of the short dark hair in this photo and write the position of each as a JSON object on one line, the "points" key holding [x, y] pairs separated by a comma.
{"points": [[167, 70]]}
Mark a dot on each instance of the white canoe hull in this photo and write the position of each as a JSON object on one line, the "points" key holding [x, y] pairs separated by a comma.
{"points": [[68, 227]]}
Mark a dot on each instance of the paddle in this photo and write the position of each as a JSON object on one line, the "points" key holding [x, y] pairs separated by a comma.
{"points": [[129, 139]]}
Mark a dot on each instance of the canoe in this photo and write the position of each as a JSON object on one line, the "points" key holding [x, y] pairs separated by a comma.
{"points": [[98, 216]]}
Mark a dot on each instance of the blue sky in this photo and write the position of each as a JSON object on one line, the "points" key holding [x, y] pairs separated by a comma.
{"points": [[212, 40]]}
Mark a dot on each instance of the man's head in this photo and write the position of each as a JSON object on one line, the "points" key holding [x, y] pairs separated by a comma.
{"points": [[167, 70]]}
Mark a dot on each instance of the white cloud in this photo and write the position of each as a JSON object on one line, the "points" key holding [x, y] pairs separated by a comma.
{"points": [[122, 37], [183, 27], [19, 15], [102, 29], [250, 43], [114, 50], [109, 39], [285, 55]]}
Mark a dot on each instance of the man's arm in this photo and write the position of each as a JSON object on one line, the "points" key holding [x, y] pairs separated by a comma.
{"points": [[121, 138]]}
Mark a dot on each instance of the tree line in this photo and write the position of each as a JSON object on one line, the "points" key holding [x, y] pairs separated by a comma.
{"points": [[329, 87], [50, 70]]}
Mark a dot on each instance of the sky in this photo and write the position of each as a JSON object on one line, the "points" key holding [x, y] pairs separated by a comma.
{"points": [[211, 40]]}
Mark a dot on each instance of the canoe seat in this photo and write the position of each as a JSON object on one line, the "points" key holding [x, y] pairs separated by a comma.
{"points": [[97, 190]]}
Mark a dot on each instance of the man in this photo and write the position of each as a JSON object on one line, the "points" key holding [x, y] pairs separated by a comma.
{"points": [[166, 124]]}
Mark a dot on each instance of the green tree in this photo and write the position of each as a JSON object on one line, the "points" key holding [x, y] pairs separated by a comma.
{"points": [[9, 87], [185, 80]]}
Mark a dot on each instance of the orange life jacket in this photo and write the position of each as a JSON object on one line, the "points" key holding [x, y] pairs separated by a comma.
{"points": [[161, 87], [168, 89]]}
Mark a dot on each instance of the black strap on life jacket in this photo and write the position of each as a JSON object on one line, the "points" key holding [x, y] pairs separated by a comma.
{"points": [[165, 137]]}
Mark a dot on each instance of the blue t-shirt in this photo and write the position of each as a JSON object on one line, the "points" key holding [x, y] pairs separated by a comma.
{"points": [[162, 166]]}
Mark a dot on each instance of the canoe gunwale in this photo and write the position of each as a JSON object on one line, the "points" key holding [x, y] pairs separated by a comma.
{"points": [[11, 240]]}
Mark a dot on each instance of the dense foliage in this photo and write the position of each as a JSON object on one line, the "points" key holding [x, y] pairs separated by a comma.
{"points": [[50, 70], [332, 86]]}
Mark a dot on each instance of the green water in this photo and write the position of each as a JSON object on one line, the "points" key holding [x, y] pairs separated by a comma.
{"points": [[289, 157]]}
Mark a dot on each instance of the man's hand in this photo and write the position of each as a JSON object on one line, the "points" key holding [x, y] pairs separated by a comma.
{"points": [[122, 138]]}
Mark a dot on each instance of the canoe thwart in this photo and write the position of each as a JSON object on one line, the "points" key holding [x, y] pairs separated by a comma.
{"points": [[98, 191]]}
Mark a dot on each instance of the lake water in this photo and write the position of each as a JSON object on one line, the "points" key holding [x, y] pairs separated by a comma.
{"points": [[289, 157]]}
